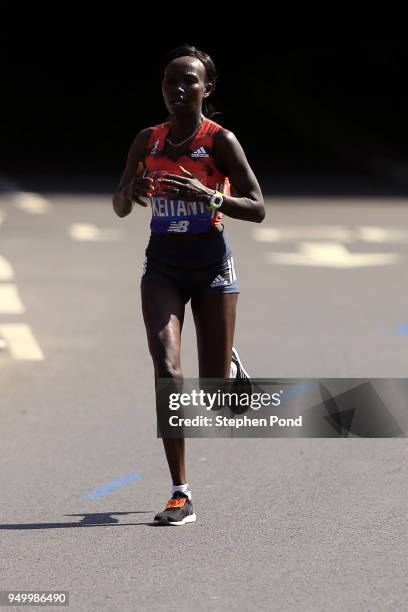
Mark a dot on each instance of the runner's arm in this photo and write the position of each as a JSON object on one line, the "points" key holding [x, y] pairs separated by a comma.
{"points": [[122, 202]]}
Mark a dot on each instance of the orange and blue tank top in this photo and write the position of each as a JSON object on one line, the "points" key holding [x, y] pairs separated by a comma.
{"points": [[169, 213]]}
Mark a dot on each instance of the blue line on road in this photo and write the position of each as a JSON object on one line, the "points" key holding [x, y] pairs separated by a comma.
{"points": [[402, 330], [113, 485]]}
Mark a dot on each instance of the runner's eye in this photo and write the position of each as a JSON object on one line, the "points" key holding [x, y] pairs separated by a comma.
{"points": [[191, 79]]}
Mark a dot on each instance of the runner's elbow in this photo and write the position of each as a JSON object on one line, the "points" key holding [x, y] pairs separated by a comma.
{"points": [[120, 207], [260, 212]]}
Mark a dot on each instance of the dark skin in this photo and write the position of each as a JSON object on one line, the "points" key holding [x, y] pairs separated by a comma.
{"points": [[185, 86]]}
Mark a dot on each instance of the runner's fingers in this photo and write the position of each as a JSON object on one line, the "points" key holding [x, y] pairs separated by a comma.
{"points": [[186, 172], [146, 193], [172, 182], [140, 202], [145, 181], [176, 177], [142, 187]]}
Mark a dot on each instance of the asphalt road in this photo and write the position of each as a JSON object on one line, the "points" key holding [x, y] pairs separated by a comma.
{"points": [[282, 524]]}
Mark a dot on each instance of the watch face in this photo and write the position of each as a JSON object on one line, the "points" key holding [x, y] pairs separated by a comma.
{"points": [[217, 201]]}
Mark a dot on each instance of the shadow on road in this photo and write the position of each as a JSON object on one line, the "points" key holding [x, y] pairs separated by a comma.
{"points": [[98, 519]]}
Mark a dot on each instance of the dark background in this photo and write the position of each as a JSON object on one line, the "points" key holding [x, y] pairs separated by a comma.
{"points": [[305, 114]]}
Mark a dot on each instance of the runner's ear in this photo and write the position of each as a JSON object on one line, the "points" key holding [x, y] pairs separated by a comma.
{"points": [[209, 88]]}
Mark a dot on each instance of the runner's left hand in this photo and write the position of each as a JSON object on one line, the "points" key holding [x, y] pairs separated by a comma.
{"points": [[186, 187]]}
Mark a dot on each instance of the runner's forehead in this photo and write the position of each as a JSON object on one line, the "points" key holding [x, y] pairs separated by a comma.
{"points": [[185, 65]]}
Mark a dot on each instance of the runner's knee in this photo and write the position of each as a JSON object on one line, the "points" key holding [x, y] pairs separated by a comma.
{"points": [[166, 368]]}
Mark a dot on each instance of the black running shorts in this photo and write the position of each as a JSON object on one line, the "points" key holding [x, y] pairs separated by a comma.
{"points": [[195, 264]]}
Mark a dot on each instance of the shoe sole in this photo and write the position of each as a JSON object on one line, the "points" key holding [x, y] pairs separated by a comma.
{"points": [[191, 518], [236, 356]]}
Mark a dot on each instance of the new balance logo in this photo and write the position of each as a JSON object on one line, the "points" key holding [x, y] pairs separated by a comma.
{"points": [[201, 152], [219, 281], [178, 226]]}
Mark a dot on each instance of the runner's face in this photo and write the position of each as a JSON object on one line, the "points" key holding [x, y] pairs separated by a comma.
{"points": [[184, 86]]}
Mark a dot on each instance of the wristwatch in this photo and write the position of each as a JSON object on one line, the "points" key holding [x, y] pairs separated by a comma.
{"points": [[216, 200]]}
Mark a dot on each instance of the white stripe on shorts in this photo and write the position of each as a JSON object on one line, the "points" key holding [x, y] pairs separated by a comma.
{"points": [[230, 271], [234, 276]]}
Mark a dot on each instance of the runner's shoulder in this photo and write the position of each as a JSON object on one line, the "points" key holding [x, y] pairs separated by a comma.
{"points": [[224, 134], [225, 145], [138, 148]]}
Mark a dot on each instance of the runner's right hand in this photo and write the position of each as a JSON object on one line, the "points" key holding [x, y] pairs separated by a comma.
{"points": [[139, 187]]}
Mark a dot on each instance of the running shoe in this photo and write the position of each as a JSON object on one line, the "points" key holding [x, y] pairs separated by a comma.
{"points": [[179, 511], [242, 382]]}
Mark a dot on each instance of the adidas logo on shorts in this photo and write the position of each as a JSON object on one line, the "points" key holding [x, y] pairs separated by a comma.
{"points": [[229, 275], [219, 281], [198, 153]]}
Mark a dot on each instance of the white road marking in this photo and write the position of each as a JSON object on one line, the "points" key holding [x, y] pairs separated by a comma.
{"points": [[292, 233], [6, 271], [331, 255], [382, 234], [85, 232], [32, 203], [10, 302], [21, 342], [338, 233], [17, 338]]}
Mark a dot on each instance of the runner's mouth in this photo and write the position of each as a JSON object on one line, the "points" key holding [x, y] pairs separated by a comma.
{"points": [[178, 102]]}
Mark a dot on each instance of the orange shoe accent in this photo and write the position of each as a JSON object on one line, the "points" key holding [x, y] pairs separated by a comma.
{"points": [[176, 503]]}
